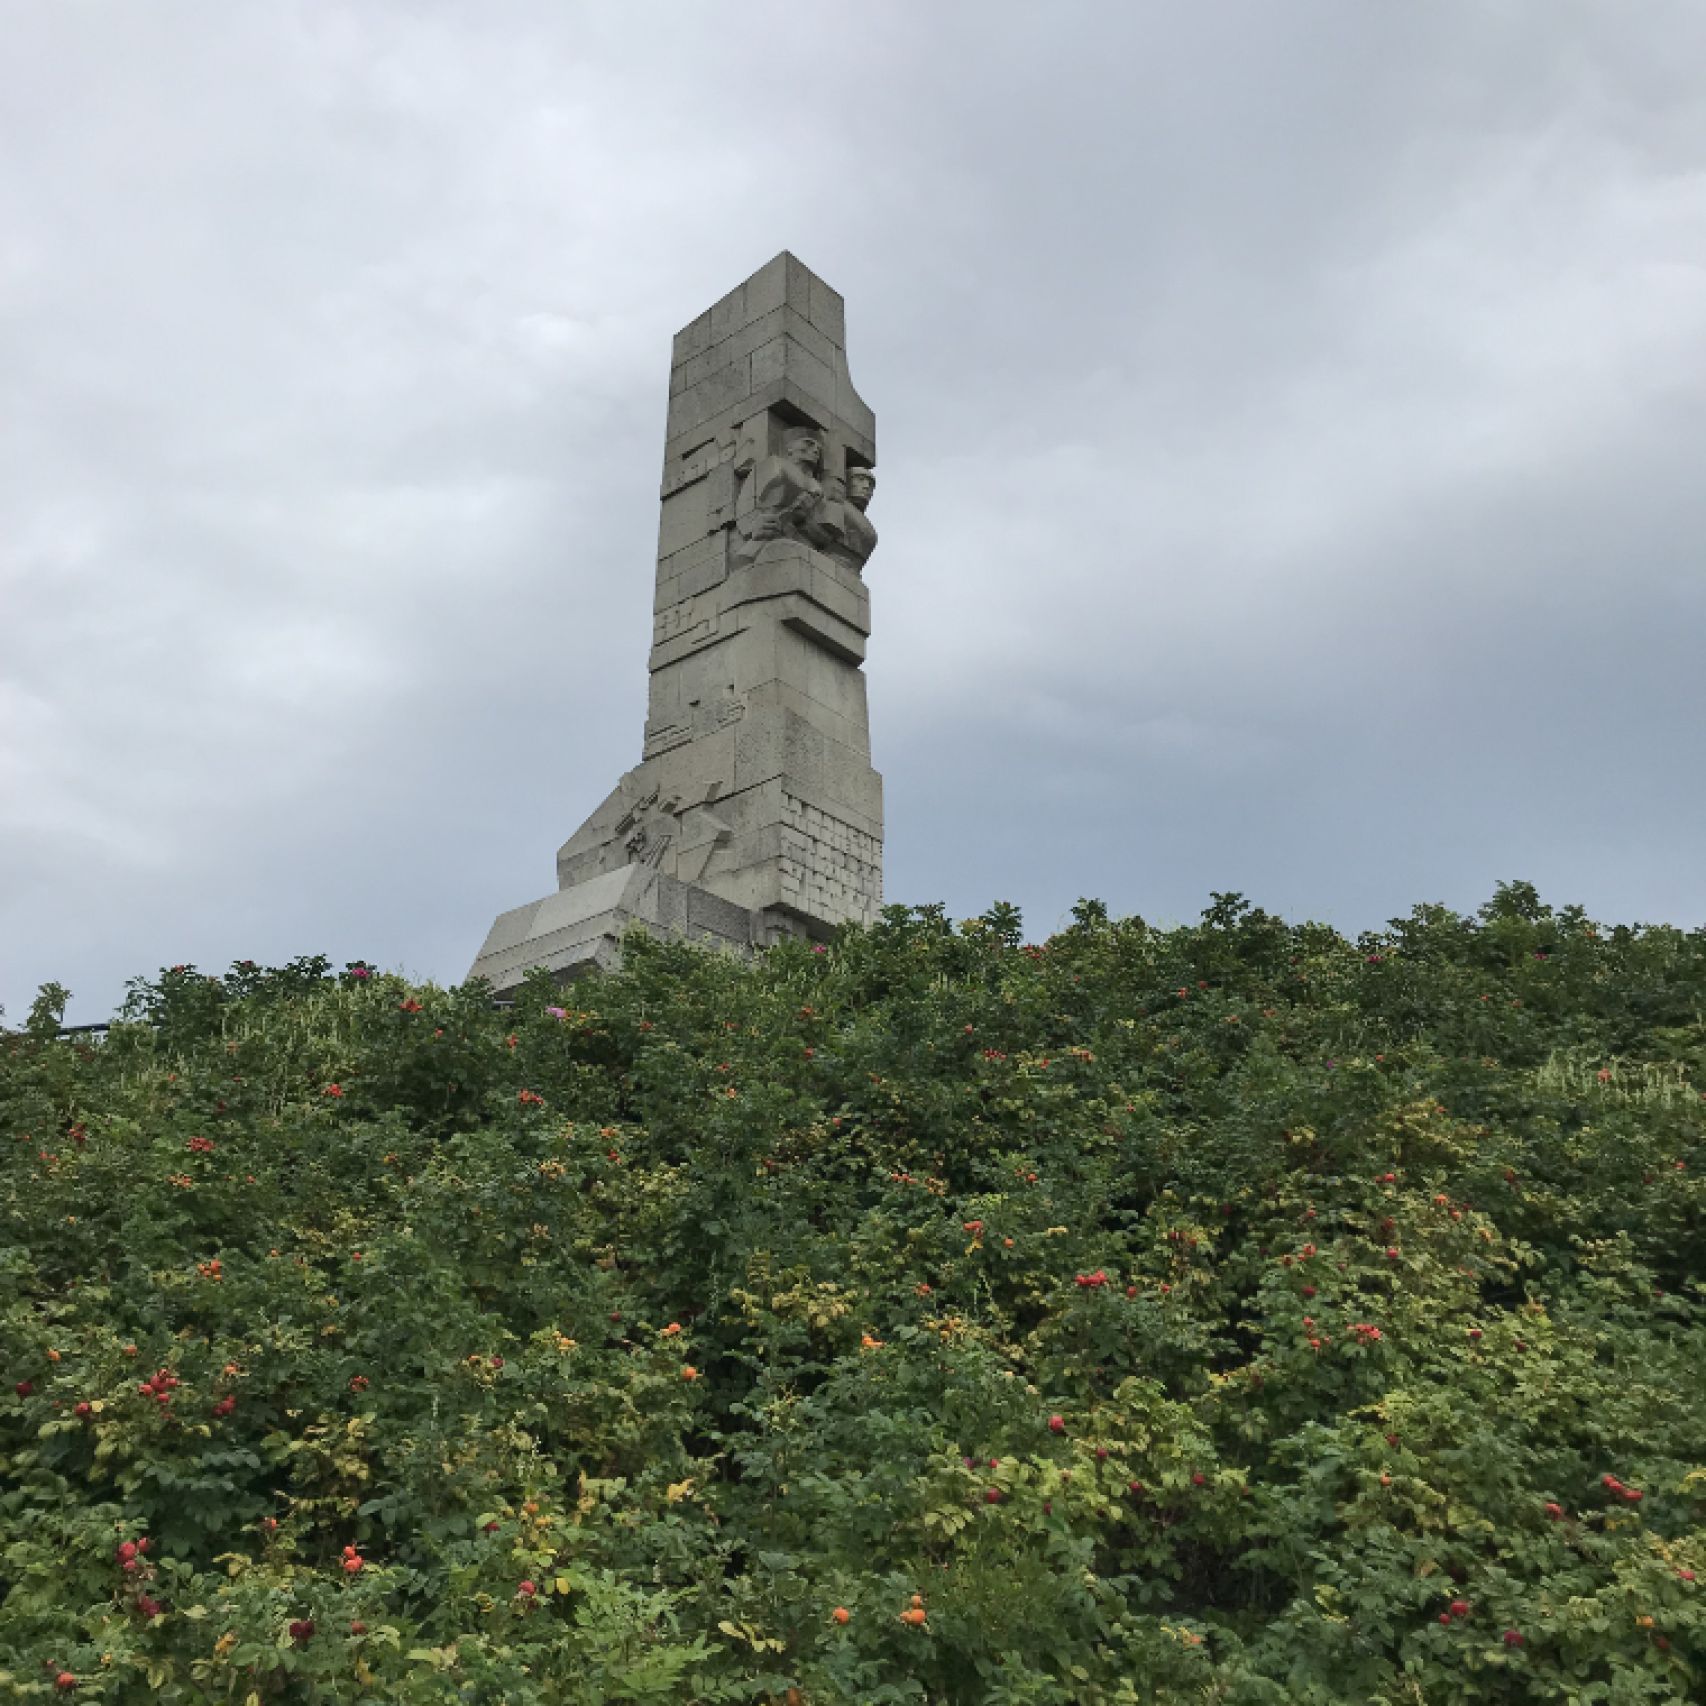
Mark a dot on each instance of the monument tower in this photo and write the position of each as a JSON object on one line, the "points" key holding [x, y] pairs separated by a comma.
{"points": [[754, 811]]}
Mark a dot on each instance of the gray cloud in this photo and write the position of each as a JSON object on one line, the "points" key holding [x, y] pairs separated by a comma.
{"points": [[1290, 423]]}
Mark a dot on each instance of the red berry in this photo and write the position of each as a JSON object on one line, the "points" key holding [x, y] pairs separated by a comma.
{"points": [[126, 1551], [1057, 1424], [1555, 1511], [992, 1495], [1460, 1608], [23, 1390], [1198, 1479], [526, 1589], [1513, 1638], [65, 1680], [1445, 1617], [82, 1410], [302, 1630]]}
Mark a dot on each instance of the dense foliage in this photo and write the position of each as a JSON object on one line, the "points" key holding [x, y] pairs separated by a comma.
{"points": [[1234, 1313]]}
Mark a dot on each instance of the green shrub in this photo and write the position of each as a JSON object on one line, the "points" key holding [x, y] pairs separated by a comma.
{"points": [[1226, 1314]]}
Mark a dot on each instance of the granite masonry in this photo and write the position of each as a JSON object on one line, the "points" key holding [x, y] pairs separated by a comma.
{"points": [[754, 812]]}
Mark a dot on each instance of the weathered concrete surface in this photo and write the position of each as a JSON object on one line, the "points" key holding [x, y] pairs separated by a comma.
{"points": [[755, 795]]}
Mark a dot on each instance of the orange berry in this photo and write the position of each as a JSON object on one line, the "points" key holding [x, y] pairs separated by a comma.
{"points": [[915, 1617], [841, 1614]]}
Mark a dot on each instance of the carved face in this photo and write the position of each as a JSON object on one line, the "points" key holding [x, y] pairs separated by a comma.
{"points": [[807, 450], [861, 483]]}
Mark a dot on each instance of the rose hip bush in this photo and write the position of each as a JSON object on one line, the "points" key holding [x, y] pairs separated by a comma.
{"points": [[1236, 1313]]}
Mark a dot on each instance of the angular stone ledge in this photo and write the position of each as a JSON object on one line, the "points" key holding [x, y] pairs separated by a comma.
{"points": [[580, 929]]}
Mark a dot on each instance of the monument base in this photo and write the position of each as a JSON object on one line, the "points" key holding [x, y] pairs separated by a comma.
{"points": [[579, 929]]}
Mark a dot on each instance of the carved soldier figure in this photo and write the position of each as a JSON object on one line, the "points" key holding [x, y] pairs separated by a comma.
{"points": [[787, 496], [858, 536]]}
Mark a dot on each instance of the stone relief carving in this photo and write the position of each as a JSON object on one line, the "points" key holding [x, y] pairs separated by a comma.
{"points": [[858, 537], [647, 828], [702, 719], [667, 832], [793, 498]]}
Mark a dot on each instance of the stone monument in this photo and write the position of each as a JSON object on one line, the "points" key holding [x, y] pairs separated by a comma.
{"points": [[754, 812]]}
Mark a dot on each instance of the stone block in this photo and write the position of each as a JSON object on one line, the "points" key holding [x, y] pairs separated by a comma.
{"points": [[570, 932], [786, 360], [718, 392], [693, 570], [781, 322], [785, 566], [682, 521], [767, 289], [729, 314], [828, 312], [839, 711], [850, 406], [580, 929], [691, 339], [694, 463]]}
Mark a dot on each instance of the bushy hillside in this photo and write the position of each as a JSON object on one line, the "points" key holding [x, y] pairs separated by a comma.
{"points": [[1235, 1313]]}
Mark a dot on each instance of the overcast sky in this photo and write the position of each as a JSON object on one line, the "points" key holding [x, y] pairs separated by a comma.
{"points": [[1291, 423]]}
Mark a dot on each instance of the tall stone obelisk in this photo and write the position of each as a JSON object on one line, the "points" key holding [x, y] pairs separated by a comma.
{"points": [[754, 811]]}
